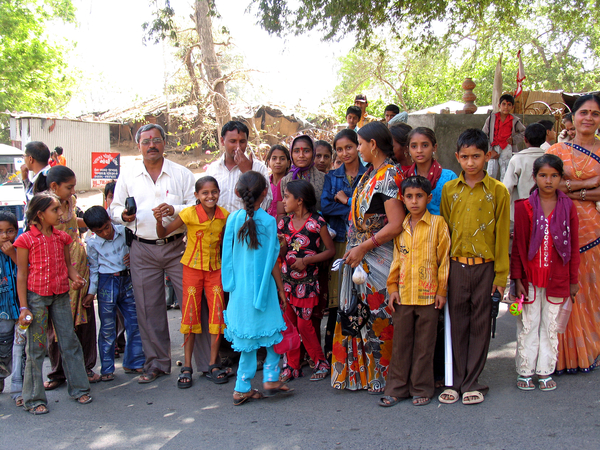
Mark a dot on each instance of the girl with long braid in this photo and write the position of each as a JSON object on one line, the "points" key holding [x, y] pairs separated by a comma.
{"points": [[253, 279]]}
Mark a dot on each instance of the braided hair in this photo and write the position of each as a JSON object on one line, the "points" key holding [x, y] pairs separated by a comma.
{"points": [[249, 188]]}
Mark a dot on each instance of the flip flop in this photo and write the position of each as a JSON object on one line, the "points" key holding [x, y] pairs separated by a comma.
{"points": [[133, 371], [473, 401], [50, 385], [38, 410], [277, 390], [149, 377], [527, 381], [544, 382], [107, 377], [85, 401], [19, 402], [416, 402], [243, 397], [387, 400], [93, 377], [452, 394]]}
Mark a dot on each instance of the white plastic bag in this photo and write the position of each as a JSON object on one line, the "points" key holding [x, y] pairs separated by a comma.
{"points": [[359, 276]]}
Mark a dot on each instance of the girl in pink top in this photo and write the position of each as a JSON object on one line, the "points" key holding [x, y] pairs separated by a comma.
{"points": [[43, 272]]}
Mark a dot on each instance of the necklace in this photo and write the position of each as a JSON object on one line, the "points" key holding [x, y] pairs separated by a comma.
{"points": [[579, 172]]}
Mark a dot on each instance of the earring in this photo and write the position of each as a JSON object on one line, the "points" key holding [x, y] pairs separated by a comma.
{"points": [[376, 153]]}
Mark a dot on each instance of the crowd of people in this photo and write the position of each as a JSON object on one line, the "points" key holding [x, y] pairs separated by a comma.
{"points": [[369, 230]]}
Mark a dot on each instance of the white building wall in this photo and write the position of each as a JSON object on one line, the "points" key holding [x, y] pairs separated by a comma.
{"points": [[78, 139]]}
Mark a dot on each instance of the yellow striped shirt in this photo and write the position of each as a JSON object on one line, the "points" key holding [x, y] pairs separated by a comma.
{"points": [[421, 261]]}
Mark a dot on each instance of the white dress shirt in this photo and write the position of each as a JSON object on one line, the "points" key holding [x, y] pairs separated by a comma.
{"points": [[227, 180], [174, 186]]}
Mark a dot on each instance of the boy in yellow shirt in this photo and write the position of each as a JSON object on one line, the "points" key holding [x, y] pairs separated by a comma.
{"points": [[417, 285], [477, 210]]}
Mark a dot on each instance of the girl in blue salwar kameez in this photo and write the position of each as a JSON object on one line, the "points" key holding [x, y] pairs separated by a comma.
{"points": [[252, 277]]}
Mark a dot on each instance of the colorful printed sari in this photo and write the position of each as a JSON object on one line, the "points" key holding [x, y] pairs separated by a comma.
{"points": [[362, 362], [579, 346]]}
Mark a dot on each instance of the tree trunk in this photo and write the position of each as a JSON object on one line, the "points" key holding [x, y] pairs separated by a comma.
{"points": [[211, 63]]}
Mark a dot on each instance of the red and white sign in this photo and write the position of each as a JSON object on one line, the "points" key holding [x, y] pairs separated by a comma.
{"points": [[105, 167]]}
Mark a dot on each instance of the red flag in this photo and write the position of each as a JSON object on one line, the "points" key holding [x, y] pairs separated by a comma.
{"points": [[520, 76]]}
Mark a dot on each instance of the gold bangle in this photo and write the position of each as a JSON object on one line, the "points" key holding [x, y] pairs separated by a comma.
{"points": [[568, 183]]}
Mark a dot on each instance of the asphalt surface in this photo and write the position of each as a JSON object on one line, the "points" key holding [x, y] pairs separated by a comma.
{"points": [[125, 414]]}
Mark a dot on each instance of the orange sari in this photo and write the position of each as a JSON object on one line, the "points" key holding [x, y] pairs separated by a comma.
{"points": [[579, 346]]}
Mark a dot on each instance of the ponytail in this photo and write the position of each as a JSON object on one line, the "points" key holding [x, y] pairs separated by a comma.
{"points": [[249, 188]]}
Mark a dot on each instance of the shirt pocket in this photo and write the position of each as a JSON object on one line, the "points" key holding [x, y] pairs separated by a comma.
{"points": [[173, 199]]}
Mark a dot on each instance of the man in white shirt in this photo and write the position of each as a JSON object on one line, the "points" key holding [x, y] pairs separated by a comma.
{"points": [[233, 163], [156, 184], [35, 169]]}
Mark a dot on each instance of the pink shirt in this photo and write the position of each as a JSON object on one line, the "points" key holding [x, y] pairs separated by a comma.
{"points": [[48, 273], [276, 191]]}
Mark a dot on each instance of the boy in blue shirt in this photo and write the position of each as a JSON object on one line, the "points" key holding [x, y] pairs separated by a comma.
{"points": [[9, 304], [111, 281]]}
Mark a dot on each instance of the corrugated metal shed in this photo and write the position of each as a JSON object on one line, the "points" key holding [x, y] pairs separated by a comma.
{"points": [[78, 139]]}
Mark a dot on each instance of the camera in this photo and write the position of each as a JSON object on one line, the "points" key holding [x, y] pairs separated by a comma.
{"points": [[130, 206]]}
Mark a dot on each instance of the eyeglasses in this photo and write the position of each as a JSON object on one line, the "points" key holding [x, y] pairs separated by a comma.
{"points": [[153, 140], [8, 232]]}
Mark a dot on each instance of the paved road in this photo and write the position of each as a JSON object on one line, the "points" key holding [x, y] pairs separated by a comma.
{"points": [[125, 414]]}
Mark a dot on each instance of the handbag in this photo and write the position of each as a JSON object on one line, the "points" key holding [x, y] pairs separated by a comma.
{"points": [[291, 338], [356, 314]]}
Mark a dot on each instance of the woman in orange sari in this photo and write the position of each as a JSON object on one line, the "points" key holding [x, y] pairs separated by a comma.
{"points": [[376, 217], [579, 346]]}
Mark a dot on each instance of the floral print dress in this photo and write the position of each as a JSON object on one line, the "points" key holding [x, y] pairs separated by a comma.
{"points": [[362, 362]]}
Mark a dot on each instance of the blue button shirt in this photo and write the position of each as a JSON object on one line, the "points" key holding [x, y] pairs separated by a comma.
{"points": [[106, 256]]}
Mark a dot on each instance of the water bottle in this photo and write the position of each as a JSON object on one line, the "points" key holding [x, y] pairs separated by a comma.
{"points": [[563, 315], [22, 331]]}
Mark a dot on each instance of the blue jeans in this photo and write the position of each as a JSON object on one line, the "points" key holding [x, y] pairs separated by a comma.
{"points": [[117, 292], [247, 369], [59, 306]]}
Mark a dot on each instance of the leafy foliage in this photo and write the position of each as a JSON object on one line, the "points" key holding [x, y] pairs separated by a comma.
{"points": [[559, 40], [338, 18], [33, 75]]}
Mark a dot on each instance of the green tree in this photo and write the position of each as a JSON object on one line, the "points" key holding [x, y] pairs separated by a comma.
{"points": [[558, 53], [338, 18], [33, 75], [391, 74]]}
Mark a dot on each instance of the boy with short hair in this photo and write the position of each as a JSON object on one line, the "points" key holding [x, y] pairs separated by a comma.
{"points": [[504, 132], [110, 279], [353, 115], [9, 303], [417, 285], [109, 193], [520, 168], [390, 112], [550, 134], [477, 210]]}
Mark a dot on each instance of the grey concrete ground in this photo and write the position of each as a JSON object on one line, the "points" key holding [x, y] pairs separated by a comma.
{"points": [[125, 414]]}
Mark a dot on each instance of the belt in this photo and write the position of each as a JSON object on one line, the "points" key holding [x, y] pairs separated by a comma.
{"points": [[470, 261], [158, 241], [122, 273]]}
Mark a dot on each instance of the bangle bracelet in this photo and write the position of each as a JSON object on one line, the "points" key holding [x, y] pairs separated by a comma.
{"points": [[23, 307], [582, 194], [375, 241], [568, 183]]}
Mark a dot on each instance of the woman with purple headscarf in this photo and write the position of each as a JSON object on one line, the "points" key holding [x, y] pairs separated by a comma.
{"points": [[303, 168]]}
